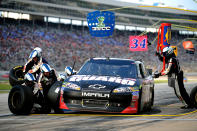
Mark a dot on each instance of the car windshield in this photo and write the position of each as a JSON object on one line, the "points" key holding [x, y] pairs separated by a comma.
{"points": [[117, 68]]}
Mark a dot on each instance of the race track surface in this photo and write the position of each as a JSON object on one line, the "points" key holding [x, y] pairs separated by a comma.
{"points": [[165, 116]]}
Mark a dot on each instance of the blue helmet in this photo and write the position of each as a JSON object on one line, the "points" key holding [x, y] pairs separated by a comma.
{"points": [[30, 77], [69, 70], [45, 68]]}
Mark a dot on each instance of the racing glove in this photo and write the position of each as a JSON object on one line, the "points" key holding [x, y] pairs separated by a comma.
{"points": [[156, 53], [156, 75]]}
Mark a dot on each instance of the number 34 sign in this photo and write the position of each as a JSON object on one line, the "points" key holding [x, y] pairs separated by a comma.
{"points": [[138, 43]]}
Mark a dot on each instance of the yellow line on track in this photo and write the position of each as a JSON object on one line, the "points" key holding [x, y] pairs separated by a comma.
{"points": [[184, 114]]}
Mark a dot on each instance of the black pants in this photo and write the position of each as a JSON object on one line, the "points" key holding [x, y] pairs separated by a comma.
{"points": [[183, 92]]}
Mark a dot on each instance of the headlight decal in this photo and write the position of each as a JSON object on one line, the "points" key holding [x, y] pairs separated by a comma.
{"points": [[133, 90], [71, 86]]}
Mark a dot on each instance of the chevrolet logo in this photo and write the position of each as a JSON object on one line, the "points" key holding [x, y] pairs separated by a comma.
{"points": [[97, 86]]}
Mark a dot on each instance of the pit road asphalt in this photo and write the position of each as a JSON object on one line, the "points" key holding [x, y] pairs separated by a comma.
{"points": [[166, 115]]}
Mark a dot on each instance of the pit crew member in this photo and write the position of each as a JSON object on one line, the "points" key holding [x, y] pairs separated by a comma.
{"points": [[174, 67], [34, 62]]}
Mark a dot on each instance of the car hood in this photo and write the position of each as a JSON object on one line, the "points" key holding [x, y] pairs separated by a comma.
{"points": [[92, 82]]}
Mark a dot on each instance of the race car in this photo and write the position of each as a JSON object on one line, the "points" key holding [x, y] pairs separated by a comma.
{"points": [[109, 85]]}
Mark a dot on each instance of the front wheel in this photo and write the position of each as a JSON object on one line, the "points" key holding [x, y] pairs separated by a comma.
{"points": [[20, 100], [139, 108], [151, 103], [193, 96], [54, 96]]}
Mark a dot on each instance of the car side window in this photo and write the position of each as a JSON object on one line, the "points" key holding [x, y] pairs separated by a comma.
{"points": [[141, 69], [144, 70]]}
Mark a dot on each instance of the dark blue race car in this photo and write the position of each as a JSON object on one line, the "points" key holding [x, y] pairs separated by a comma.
{"points": [[106, 85]]}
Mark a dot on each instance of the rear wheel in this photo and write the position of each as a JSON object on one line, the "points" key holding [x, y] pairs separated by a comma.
{"points": [[193, 96], [16, 76], [20, 100], [139, 109]]}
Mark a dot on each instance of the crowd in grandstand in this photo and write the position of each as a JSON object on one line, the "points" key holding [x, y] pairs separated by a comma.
{"points": [[62, 45]]}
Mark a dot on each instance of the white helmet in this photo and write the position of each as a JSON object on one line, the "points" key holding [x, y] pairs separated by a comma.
{"points": [[37, 52], [45, 68], [30, 77], [167, 51]]}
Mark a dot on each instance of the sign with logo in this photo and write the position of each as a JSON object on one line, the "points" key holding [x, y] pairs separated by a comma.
{"points": [[167, 35], [138, 43], [101, 23]]}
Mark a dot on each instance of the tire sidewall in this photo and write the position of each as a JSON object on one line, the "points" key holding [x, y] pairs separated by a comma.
{"points": [[13, 79], [193, 94], [53, 96], [25, 104], [140, 102]]}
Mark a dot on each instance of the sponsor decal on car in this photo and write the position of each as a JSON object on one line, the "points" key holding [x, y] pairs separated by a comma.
{"points": [[135, 93], [95, 94], [124, 81], [57, 90], [97, 86]]}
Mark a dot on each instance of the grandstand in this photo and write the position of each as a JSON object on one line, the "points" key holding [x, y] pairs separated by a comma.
{"points": [[60, 28]]}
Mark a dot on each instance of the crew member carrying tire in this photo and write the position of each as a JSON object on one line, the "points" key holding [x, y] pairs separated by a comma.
{"points": [[34, 62], [17, 73], [173, 67]]}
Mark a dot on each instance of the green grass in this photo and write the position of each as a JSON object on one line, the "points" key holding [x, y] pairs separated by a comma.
{"points": [[4, 91], [166, 81], [5, 86]]}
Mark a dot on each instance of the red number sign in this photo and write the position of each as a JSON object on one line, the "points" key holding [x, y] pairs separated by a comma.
{"points": [[138, 43]]}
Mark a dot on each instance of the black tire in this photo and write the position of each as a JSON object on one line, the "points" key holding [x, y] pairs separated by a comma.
{"points": [[193, 96], [20, 100], [54, 96], [16, 76], [152, 98], [150, 106], [139, 110]]}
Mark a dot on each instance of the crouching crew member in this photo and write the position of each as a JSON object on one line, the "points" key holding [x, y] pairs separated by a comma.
{"points": [[46, 78]]}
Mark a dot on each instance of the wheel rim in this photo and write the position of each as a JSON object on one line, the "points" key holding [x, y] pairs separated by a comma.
{"points": [[16, 99], [19, 73]]}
